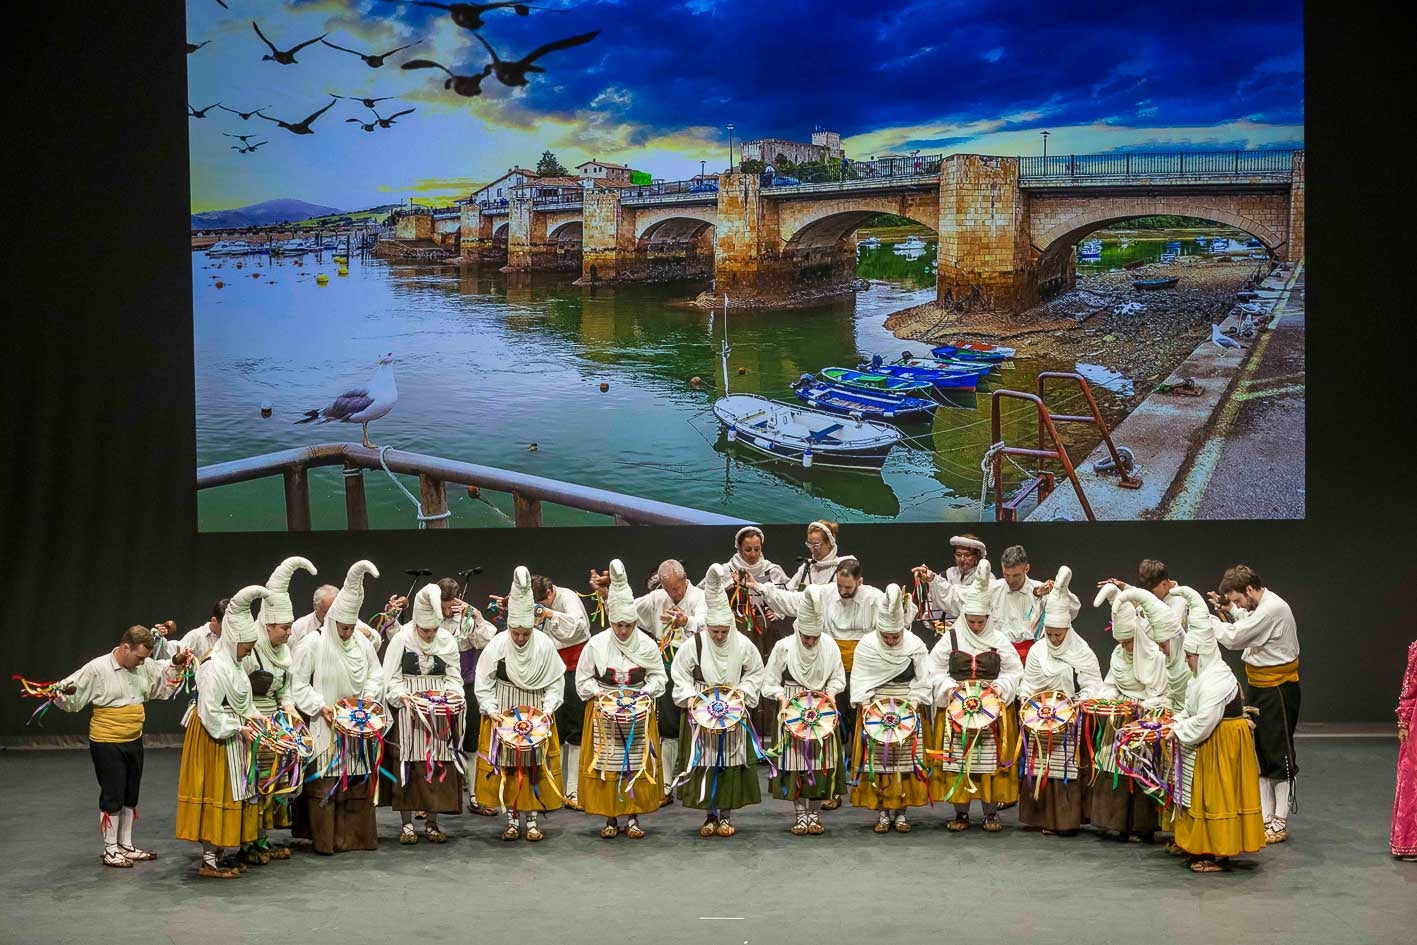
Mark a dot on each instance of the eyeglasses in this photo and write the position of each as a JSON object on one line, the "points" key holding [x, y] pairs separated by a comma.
{"points": [[814, 544]]}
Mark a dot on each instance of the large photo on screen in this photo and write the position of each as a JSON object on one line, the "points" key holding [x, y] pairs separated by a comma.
{"points": [[578, 262]]}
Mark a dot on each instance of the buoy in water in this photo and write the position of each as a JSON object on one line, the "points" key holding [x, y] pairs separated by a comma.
{"points": [[344, 270], [473, 492], [255, 275], [322, 279], [732, 434], [696, 380], [604, 387], [219, 284], [265, 408], [806, 459], [742, 371]]}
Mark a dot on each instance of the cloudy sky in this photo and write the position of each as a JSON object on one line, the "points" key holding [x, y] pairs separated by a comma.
{"points": [[657, 87]]}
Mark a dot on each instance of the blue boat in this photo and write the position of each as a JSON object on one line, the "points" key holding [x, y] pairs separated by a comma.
{"points": [[976, 369], [937, 379], [974, 352], [869, 381], [861, 404]]}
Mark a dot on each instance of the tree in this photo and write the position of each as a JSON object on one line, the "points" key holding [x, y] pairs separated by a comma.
{"points": [[550, 166]]}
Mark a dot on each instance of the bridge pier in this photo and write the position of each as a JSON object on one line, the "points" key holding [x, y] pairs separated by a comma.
{"points": [[477, 241], [985, 259], [526, 237], [1294, 250], [747, 265], [608, 246]]}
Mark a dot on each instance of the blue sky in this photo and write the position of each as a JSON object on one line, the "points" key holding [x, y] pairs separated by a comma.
{"points": [[656, 88]]}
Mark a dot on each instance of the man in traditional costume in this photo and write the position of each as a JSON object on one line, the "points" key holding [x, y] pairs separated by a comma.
{"points": [[620, 761], [1136, 673], [271, 669], [116, 685], [1259, 622], [313, 621], [1053, 796], [811, 768], [758, 622], [890, 669], [520, 670], [974, 762], [1219, 815], [202, 640], [849, 610], [824, 557], [215, 798], [423, 687], [335, 664], [563, 618], [720, 771]]}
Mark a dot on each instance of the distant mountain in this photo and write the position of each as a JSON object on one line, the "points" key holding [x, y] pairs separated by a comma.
{"points": [[261, 214]]}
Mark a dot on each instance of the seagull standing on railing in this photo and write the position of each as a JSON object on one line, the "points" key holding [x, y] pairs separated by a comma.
{"points": [[362, 405], [1221, 340]]}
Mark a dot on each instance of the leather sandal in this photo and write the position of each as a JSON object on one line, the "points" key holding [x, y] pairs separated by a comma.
{"points": [[814, 824], [115, 859], [726, 829], [902, 825], [609, 831], [408, 837], [709, 829], [481, 810], [279, 853], [533, 833], [513, 832], [634, 831], [959, 824], [574, 802], [435, 835], [831, 803], [883, 823], [991, 823], [217, 872], [1206, 866], [799, 829], [136, 855]]}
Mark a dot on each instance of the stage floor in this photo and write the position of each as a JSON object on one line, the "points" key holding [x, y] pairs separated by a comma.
{"points": [[1333, 882]]}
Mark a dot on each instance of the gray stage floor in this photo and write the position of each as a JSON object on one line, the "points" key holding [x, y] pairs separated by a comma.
{"points": [[1334, 882]]}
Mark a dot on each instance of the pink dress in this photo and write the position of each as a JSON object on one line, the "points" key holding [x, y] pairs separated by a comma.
{"points": [[1404, 808]]}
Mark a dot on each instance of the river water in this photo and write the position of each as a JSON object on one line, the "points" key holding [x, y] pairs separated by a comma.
{"points": [[488, 363]]}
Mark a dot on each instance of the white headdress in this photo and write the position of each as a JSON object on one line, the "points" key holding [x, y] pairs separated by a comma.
{"points": [[521, 609], [277, 608], [350, 598], [720, 614], [1058, 608]]}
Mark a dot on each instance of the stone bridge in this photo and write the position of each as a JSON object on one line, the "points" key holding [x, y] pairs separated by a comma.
{"points": [[1008, 227]]}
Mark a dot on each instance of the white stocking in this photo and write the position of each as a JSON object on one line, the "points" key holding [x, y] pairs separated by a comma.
{"points": [[800, 807], [1267, 800], [668, 756], [125, 827], [108, 827], [1281, 802], [210, 854], [572, 754]]}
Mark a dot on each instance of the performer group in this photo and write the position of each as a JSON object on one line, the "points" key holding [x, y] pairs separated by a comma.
{"points": [[959, 687]]}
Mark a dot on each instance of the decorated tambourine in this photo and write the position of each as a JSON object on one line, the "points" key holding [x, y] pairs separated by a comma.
{"points": [[359, 719], [719, 708], [974, 705], [436, 701], [523, 727], [890, 721], [1145, 730], [810, 716], [624, 705], [281, 734], [1110, 708], [1048, 711]]}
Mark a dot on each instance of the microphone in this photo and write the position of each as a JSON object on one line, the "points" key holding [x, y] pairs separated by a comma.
{"points": [[469, 572], [417, 572], [803, 560]]}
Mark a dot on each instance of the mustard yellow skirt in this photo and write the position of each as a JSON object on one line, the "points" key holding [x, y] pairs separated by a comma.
{"points": [[205, 811], [607, 793], [884, 790], [519, 789], [1224, 817], [1001, 787]]}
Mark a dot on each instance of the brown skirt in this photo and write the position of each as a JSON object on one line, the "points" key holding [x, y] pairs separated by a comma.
{"points": [[341, 822], [1124, 808], [441, 794], [1059, 806]]}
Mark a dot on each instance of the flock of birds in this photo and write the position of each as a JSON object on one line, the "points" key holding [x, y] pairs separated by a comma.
{"points": [[468, 16]]}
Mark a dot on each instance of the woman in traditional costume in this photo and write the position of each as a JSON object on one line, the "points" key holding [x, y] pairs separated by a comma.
{"points": [[423, 687], [975, 761], [215, 802], [1136, 673], [757, 621], [890, 686], [520, 671], [810, 764], [1053, 796], [620, 773], [1221, 817], [334, 664], [270, 667], [719, 752], [824, 555]]}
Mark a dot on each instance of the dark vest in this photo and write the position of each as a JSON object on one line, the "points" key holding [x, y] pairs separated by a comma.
{"points": [[966, 666]]}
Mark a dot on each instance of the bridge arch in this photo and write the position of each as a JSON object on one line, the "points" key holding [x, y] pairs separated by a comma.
{"points": [[571, 231], [654, 219], [818, 223], [499, 235]]}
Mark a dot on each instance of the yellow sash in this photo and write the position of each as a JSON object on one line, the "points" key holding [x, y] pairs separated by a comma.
{"points": [[1267, 677], [122, 723], [848, 652]]}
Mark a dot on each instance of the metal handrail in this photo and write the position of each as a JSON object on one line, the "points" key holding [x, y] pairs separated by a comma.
{"points": [[1252, 163], [434, 473], [1059, 452]]}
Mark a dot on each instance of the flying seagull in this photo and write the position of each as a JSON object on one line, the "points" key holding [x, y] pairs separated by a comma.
{"points": [[285, 57], [243, 138], [201, 112], [372, 61], [1223, 341], [468, 85], [300, 127], [245, 116], [389, 122], [362, 405], [514, 72], [193, 47], [469, 15], [250, 149], [366, 102], [369, 127]]}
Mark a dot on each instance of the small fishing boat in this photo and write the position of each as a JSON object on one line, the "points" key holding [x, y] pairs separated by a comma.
{"points": [[1150, 285], [937, 379], [880, 383], [869, 242], [974, 351], [862, 404], [295, 247], [1201, 241], [1253, 243], [233, 248], [1090, 249], [950, 367], [913, 242], [797, 434]]}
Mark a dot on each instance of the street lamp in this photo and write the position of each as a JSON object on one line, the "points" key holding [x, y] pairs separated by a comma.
{"points": [[701, 169], [730, 147], [1045, 135]]}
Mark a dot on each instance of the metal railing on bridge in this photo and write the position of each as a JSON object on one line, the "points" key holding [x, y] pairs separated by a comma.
{"points": [[1268, 163]]}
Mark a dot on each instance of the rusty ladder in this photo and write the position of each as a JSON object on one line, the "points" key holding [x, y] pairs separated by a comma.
{"points": [[1045, 481]]}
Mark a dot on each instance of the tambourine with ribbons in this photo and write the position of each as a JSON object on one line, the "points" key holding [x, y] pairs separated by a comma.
{"points": [[624, 705], [435, 732], [974, 705], [1051, 710], [974, 711], [1048, 742], [358, 741], [891, 734], [284, 742], [523, 728], [620, 736], [1101, 720], [521, 740], [1147, 753], [718, 708], [722, 735], [810, 716], [890, 721]]}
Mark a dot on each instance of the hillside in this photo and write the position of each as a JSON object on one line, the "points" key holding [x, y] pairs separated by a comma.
{"points": [[262, 214]]}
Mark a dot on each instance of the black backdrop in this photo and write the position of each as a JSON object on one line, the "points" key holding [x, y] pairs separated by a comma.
{"points": [[99, 505]]}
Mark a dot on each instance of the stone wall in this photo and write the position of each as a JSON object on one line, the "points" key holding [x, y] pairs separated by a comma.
{"points": [[985, 261], [1294, 251], [414, 226]]}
